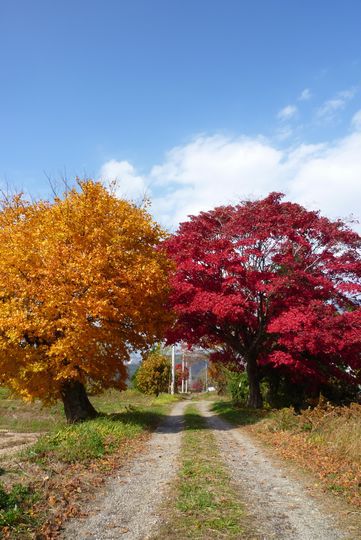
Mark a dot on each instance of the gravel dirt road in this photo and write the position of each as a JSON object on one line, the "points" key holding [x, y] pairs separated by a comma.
{"points": [[128, 507], [281, 506]]}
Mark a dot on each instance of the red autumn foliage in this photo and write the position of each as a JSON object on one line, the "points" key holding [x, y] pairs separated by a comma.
{"points": [[181, 374], [268, 282], [318, 339], [197, 386]]}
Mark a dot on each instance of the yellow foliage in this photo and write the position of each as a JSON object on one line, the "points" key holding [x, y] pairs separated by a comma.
{"points": [[82, 284], [153, 375]]}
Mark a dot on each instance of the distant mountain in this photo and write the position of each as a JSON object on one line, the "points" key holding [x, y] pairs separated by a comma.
{"points": [[131, 368]]}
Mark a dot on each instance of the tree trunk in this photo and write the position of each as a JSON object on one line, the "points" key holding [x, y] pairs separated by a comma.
{"points": [[77, 406], [255, 400]]}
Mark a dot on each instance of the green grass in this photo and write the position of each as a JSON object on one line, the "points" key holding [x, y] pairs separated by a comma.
{"points": [[122, 415], [85, 441], [4, 393], [135, 413], [19, 416], [239, 416], [204, 396], [15, 508], [206, 506], [94, 438]]}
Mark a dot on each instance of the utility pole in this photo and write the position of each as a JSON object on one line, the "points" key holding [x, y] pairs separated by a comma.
{"points": [[182, 372], [172, 387]]}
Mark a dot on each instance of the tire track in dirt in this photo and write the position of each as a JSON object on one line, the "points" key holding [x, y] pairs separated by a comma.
{"points": [[127, 506], [280, 505]]}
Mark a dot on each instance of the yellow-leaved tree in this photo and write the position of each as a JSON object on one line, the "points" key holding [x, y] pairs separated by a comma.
{"points": [[82, 285], [154, 373]]}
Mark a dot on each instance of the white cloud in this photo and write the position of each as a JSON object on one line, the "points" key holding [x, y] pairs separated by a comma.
{"points": [[305, 95], [348, 94], [213, 170], [210, 171], [356, 120], [329, 108], [129, 184], [287, 112], [330, 179]]}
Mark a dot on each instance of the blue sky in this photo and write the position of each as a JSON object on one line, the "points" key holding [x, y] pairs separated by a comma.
{"points": [[196, 102]]}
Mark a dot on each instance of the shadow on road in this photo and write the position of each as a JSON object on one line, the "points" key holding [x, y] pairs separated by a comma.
{"points": [[239, 416], [150, 420]]}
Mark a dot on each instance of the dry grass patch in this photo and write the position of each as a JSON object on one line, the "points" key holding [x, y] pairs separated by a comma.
{"points": [[325, 440], [20, 416]]}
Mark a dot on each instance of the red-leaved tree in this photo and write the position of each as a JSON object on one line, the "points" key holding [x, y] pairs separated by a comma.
{"points": [[182, 374], [268, 282]]}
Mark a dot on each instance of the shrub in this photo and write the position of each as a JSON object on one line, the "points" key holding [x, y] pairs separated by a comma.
{"points": [[154, 373], [217, 376], [238, 387], [283, 420]]}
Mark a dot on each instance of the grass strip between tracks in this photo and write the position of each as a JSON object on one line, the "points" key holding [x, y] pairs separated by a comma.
{"points": [[206, 506]]}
